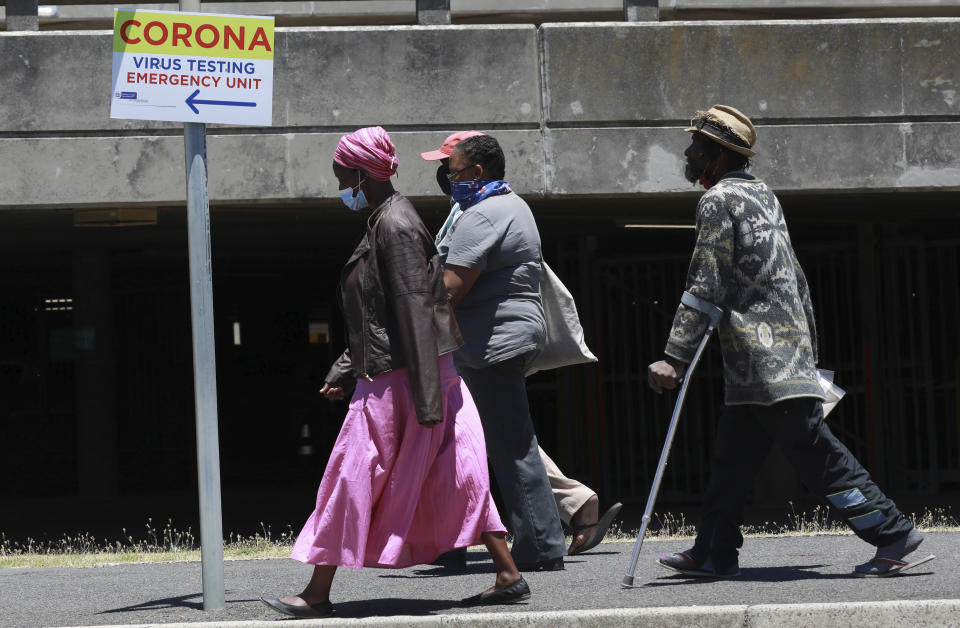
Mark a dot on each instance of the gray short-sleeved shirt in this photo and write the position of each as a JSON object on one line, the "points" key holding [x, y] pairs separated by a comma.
{"points": [[501, 316]]}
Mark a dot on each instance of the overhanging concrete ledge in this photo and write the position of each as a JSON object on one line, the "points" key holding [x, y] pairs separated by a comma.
{"points": [[582, 109], [903, 613], [287, 167]]}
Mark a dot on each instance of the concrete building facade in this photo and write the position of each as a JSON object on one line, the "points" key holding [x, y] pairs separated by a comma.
{"points": [[859, 134]]}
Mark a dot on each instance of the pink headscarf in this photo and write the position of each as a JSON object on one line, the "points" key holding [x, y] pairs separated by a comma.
{"points": [[369, 148]]}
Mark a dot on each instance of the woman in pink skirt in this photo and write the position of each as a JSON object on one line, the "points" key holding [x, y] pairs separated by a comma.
{"points": [[407, 478]]}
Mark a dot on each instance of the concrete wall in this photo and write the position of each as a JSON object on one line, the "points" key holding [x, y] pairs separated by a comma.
{"points": [[801, 9], [840, 105], [582, 109], [87, 14]]}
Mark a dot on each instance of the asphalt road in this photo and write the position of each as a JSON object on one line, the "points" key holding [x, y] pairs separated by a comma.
{"points": [[780, 570]]}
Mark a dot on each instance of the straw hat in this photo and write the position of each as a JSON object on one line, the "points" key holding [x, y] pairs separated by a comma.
{"points": [[726, 126]]}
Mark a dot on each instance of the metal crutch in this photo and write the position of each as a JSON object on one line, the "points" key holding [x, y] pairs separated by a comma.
{"points": [[713, 314]]}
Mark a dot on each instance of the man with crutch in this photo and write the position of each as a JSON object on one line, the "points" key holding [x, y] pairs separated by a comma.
{"points": [[744, 263]]}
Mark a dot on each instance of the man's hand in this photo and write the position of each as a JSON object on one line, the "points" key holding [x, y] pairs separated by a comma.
{"points": [[333, 394], [665, 374]]}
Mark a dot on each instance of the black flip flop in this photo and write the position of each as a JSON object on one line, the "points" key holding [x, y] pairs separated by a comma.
{"points": [[602, 527], [886, 567]]}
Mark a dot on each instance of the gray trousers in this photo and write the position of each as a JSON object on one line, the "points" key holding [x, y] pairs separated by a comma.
{"points": [[500, 392]]}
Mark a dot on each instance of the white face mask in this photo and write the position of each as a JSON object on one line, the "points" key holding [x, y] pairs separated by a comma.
{"points": [[354, 203]]}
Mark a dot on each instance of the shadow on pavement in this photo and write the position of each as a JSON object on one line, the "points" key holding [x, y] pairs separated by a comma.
{"points": [[440, 572], [480, 565], [776, 574], [180, 601], [592, 552], [758, 574], [385, 607], [167, 602]]}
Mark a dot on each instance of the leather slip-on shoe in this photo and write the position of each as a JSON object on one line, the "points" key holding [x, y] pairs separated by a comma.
{"points": [[516, 592], [310, 611]]}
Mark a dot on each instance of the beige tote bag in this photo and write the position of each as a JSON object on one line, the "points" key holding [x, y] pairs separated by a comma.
{"points": [[564, 344]]}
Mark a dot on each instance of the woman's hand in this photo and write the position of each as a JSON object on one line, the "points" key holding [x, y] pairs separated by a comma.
{"points": [[333, 394]]}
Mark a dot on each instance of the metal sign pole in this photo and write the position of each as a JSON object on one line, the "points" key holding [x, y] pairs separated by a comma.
{"points": [[204, 358]]}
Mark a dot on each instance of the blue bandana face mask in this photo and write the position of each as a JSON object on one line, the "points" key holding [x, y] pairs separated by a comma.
{"points": [[461, 191], [469, 193], [354, 203]]}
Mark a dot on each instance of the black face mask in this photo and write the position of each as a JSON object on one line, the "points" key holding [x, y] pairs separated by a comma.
{"points": [[442, 179]]}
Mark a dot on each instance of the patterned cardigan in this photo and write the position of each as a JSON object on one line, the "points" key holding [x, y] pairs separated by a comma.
{"points": [[743, 262]]}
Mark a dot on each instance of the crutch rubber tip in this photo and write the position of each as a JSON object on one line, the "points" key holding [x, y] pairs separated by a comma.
{"points": [[627, 582]]}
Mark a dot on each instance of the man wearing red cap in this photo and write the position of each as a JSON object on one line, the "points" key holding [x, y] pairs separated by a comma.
{"points": [[442, 155]]}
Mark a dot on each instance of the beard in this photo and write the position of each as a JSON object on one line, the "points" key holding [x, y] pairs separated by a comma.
{"points": [[692, 173]]}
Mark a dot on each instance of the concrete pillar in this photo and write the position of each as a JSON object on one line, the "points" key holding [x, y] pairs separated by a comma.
{"points": [[22, 15], [95, 375], [433, 12], [641, 11]]}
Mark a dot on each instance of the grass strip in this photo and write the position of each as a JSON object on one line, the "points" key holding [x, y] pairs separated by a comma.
{"points": [[169, 544]]}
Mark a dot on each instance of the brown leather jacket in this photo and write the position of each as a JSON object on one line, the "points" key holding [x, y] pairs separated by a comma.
{"points": [[396, 307]]}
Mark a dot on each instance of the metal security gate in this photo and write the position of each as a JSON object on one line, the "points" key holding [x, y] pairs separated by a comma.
{"points": [[635, 300], [917, 351], [887, 322], [154, 394]]}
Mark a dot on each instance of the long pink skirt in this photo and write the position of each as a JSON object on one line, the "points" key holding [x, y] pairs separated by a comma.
{"points": [[396, 493]]}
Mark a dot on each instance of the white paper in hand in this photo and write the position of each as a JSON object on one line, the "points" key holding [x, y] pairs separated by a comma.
{"points": [[831, 391]]}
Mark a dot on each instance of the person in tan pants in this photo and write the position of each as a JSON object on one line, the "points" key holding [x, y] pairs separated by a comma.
{"points": [[579, 506]]}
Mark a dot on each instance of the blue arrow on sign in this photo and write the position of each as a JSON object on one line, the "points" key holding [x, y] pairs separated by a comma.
{"points": [[192, 101]]}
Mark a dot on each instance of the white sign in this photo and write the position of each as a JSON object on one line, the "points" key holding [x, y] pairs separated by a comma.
{"points": [[192, 67]]}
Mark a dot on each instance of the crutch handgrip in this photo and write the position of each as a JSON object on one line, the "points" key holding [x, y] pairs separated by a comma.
{"points": [[702, 305]]}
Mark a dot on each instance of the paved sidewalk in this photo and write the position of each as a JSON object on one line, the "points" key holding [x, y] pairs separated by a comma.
{"points": [[785, 581]]}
